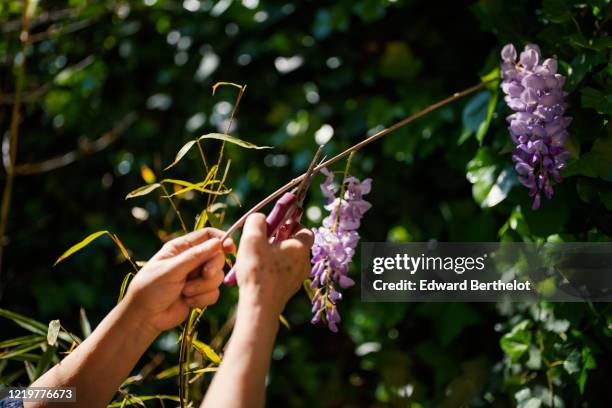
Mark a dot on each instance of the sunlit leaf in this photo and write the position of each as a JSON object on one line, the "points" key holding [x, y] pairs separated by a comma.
{"points": [[181, 153], [204, 370], [144, 190], [81, 245], [218, 84], [284, 322], [53, 332], [202, 219], [233, 140], [124, 285], [207, 351], [201, 187]]}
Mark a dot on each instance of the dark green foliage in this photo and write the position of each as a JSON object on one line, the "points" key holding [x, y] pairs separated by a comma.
{"points": [[364, 64]]}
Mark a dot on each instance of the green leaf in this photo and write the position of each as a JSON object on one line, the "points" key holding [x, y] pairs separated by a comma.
{"points": [[81, 245], [572, 362], [233, 140], [84, 323], [284, 322], [503, 184], [206, 351], [484, 126], [517, 341], [475, 114], [181, 153], [141, 398], [202, 219], [25, 322], [24, 348], [595, 163], [489, 187], [556, 11], [45, 360], [213, 219], [124, 285], [144, 190], [17, 341]]}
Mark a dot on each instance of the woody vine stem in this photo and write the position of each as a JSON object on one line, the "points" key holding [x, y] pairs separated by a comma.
{"points": [[354, 148]]}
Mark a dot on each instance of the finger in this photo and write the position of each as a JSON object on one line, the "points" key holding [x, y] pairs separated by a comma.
{"points": [[212, 266], [304, 236], [187, 241], [255, 228], [205, 299], [190, 259], [203, 285], [229, 246]]}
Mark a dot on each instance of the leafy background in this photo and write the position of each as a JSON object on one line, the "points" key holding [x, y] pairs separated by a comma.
{"points": [[139, 74]]}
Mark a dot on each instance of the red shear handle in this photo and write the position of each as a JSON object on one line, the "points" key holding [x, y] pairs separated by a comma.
{"points": [[275, 220]]}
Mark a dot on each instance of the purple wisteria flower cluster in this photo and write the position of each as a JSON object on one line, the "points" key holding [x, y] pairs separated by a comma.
{"points": [[534, 91], [334, 245]]}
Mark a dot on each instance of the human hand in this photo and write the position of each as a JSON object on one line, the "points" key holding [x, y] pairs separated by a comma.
{"points": [[269, 274], [186, 272]]}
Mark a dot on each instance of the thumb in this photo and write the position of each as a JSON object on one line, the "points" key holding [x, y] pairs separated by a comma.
{"points": [[255, 229], [195, 256]]}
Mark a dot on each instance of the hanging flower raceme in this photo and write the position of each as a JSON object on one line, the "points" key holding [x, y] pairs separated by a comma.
{"points": [[534, 91], [334, 245]]}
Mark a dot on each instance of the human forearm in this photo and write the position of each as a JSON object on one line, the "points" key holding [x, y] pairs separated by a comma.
{"points": [[99, 365], [240, 381]]}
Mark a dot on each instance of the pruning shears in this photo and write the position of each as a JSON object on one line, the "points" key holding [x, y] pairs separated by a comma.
{"points": [[284, 219]]}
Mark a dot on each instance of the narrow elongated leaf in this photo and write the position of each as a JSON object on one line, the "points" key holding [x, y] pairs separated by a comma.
{"points": [[25, 322], [206, 351], [233, 140], [30, 370], [45, 361], [177, 181], [198, 187], [284, 322], [17, 341], [218, 84], [202, 219], [84, 322], [144, 190], [53, 331], [204, 370], [24, 348], [81, 245], [11, 377], [139, 399], [121, 247], [167, 373], [181, 153], [124, 285]]}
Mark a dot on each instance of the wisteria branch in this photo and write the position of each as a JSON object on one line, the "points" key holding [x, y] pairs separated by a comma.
{"points": [[354, 148]]}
